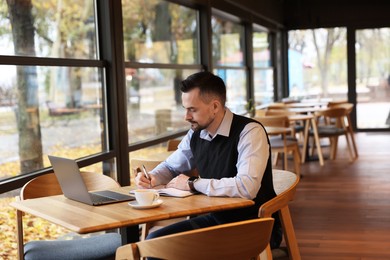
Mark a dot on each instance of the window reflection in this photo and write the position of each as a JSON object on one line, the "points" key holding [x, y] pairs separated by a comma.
{"points": [[235, 81], [228, 44], [53, 29], [264, 86], [317, 63], [160, 32], [154, 102], [373, 78], [263, 70], [56, 111]]}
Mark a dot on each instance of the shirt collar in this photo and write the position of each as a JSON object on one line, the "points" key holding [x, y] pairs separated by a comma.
{"points": [[223, 129]]}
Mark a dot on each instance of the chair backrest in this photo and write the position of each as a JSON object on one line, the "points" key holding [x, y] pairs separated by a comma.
{"points": [[136, 164], [278, 112], [239, 240], [172, 144], [285, 184], [338, 114], [337, 102], [275, 120], [260, 112], [277, 105], [47, 185]]}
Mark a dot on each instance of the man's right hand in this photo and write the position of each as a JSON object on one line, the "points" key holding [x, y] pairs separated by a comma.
{"points": [[142, 182]]}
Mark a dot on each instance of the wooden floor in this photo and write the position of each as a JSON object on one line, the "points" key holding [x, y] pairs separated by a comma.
{"points": [[342, 210]]}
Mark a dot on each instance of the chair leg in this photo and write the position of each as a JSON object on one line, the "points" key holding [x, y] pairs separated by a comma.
{"points": [[350, 151], [352, 135], [289, 234], [266, 254], [276, 159], [145, 230], [333, 147], [297, 161], [19, 234]]}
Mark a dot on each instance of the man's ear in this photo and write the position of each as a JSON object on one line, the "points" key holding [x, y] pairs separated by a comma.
{"points": [[216, 104]]}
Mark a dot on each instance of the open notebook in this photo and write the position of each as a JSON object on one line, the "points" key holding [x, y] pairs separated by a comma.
{"points": [[171, 192]]}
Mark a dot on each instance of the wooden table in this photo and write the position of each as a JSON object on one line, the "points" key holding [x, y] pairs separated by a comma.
{"points": [[83, 218]]}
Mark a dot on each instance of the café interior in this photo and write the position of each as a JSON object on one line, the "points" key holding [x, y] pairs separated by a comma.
{"points": [[100, 84]]}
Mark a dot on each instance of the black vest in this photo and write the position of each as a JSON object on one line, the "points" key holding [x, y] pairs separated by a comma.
{"points": [[217, 159]]}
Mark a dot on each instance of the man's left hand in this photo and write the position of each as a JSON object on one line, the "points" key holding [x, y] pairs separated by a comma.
{"points": [[179, 182]]}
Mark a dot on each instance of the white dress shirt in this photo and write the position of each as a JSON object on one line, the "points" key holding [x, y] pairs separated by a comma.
{"points": [[253, 153]]}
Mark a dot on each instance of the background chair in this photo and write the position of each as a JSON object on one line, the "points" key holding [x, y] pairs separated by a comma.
{"points": [[334, 126], [348, 123], [285, 184], [282, 145], [297, 127], [147, 227], [172, 144], [98, 246], [239, 240]]}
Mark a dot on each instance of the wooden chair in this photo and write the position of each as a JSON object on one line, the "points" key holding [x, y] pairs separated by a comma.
{"points": [[277, 105], [282, 145], [285, 184], [297, 127], [348, 124], [149, 165], [172, 144], [99, 246], [334, 130], [239, 240]]}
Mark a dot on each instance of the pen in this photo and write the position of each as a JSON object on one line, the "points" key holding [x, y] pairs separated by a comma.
{"points": [[145, 172]]}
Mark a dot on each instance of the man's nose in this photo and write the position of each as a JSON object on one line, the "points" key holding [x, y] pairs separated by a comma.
{"points": [[187, 116]]}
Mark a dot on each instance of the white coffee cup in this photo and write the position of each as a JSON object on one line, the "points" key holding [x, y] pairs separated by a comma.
{"points": [[146, 197]]}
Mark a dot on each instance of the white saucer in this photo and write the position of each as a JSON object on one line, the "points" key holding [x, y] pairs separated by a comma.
{"points": [[134, 204]]}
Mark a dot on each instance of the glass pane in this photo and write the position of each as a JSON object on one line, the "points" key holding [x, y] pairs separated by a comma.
{"points": [[373, 78], [236, 82], [263, 72], [48, 110], [228, 42], [154, 102], [261, 50], [317, 63], [160, 32], [264, 86], [48, 29]]}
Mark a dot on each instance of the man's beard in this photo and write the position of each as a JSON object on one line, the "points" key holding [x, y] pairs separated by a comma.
{"points": [[196, 127]]}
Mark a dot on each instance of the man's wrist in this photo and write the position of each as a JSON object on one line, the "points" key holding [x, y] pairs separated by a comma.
{"points": [[191, 182]]}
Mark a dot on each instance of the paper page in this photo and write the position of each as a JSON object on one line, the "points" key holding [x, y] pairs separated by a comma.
{"points": [[173, 192]]}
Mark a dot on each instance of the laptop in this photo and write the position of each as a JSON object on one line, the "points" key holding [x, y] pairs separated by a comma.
{"points": [[72, 184]]}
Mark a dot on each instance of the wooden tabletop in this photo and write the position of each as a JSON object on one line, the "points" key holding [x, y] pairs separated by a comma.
{"points": [[83, 218]]}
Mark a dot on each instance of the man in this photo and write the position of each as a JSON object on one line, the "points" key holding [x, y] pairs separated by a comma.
{"points": [[230, 152]]}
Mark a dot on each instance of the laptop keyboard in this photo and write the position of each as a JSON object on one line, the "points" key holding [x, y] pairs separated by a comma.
{"points": [[98, 198], [111, 195]]}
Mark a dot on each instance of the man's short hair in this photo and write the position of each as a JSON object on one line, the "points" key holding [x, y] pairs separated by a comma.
{"points": [[210, 86]]}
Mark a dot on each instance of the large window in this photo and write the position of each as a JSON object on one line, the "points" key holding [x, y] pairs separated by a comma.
{"points": [[373, 78], [228, 46], [161, 42], [317, 63], [51, 101]]}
